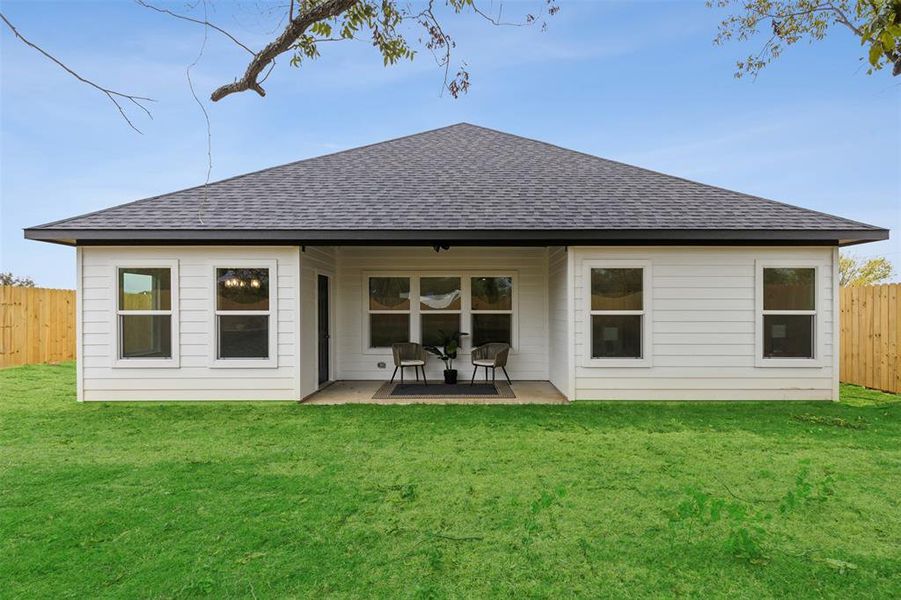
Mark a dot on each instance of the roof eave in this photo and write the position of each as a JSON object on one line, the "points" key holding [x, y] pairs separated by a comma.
{"points": [[842, 237]]}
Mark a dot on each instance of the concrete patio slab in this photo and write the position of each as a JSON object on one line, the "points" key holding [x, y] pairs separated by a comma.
{"points": [[361, 392]]}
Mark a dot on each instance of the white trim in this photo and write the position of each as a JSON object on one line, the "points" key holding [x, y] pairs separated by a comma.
{"points": [[245, 363], [646, 313], [337, 279], [819, 346], [546, 333], [571, 320], [298, 326], [79, 327], [836, 326], [414, 293], [513, 312], [420, 313], [174, 361]]}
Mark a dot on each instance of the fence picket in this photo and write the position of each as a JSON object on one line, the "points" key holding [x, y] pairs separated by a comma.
{"points": [[36, 325], [871, 336]]}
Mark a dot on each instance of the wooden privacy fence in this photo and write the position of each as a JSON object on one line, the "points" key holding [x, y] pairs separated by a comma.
{"points": [[871, 336], [37, 325]]}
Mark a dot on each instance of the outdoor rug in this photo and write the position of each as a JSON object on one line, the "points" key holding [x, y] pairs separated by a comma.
{"points": [[419, 391]]}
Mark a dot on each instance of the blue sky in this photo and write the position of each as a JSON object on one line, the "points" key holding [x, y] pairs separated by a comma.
{"points": [[639, 82]]}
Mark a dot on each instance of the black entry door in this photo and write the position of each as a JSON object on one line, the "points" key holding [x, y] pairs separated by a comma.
{"points": [[323, 334]]}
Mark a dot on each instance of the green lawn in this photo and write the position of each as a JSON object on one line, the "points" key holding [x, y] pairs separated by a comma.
{"points": [[744, 500]]}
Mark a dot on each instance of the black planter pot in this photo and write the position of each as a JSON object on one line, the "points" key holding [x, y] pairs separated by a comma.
{"points": [[450, 376]]}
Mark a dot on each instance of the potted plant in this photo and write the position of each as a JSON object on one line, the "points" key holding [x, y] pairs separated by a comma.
{"points": [[446, 350]]}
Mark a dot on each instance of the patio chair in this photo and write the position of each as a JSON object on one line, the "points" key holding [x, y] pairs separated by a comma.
{"points": [[409, 354], [491, 356]]}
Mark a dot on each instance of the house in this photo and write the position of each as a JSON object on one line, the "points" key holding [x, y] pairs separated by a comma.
{"points": [[609, 281]]}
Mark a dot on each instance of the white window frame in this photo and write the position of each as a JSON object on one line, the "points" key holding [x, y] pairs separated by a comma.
{"points": [[245, 363], [514, 303], [116, 343], [819, 346], [414, 294], [646, 313], [415, 312], [421, 312]]}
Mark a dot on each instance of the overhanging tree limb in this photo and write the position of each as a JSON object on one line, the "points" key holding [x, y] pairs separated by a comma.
{"points": [[876, 23], [295, 28], [203, 22], [313, 21], [113, 95]]}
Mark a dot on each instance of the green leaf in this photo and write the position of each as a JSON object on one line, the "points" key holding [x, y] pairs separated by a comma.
{"points": [[875, 54], [321, 28]]}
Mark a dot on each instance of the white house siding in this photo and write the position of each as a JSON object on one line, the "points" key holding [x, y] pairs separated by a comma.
{"points": [[194, 378], [314, 260], [703, 319], [559, 315], [529, 266], [703, 328]]}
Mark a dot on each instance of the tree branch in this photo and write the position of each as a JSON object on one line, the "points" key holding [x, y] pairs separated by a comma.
{"points": [[295, 28], [843, 19], [437, 39], [113, 95], [206, 115], [496, 20], [193, 20]]}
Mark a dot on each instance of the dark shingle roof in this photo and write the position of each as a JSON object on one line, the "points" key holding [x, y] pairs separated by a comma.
{"points": [[462, 178]]}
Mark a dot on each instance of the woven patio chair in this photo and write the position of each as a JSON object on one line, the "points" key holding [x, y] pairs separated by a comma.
{"points": [[409, 354], [492, 355]]}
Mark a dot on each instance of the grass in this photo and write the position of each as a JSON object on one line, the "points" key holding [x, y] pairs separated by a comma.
{"points": [[283, 500]]}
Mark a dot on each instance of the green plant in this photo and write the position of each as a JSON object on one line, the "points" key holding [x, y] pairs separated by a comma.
{"points": [[744, 531], [744, 521], [446, 349]]}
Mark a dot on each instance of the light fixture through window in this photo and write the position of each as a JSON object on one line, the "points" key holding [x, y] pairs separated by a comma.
{"points": [[234, 282]]}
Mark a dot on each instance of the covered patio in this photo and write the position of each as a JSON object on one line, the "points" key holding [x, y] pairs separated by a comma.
{"points": [[358, 302], [365, 392]]}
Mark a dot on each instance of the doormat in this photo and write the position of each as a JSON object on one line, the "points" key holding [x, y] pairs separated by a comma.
{"points": [[419, 391]]}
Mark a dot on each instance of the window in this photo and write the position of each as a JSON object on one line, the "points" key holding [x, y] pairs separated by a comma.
{"points": [[440, 305], [146, 318], [244, 298], [389, 311], [491, 310], [618, 307], [405, 306], [789, 312], [145, 313], [615, 336]]}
